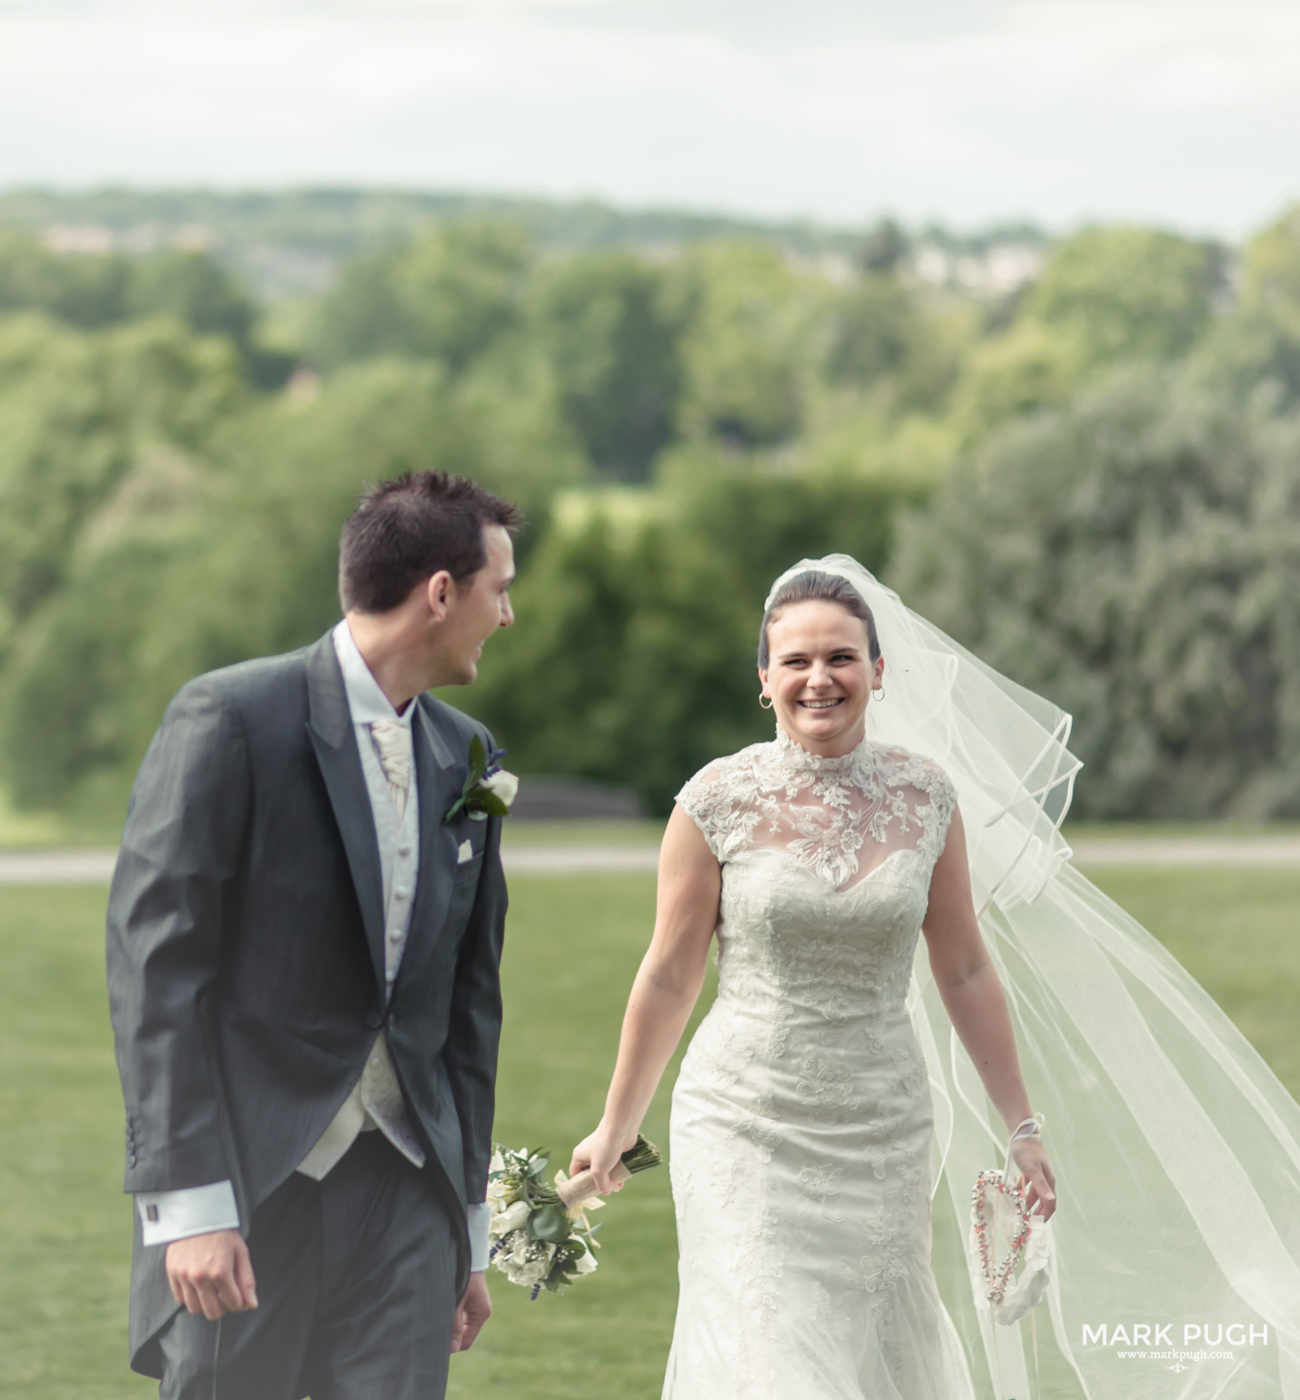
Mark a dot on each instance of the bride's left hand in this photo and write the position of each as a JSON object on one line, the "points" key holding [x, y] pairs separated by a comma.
{"points": [[1029, 1155]]}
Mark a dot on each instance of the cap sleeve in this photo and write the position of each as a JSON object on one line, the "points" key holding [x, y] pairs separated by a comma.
{"points": [[705, 799], [938, 786]]}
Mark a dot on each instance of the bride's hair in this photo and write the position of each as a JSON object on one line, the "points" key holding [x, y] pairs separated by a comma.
{"points": [[816, 587]]}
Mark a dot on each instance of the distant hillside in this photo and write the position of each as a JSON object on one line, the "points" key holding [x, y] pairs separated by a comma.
{"points": [[290, 241]]}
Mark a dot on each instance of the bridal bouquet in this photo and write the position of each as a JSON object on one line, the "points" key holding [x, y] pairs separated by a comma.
{"points": [[539, 1233]]}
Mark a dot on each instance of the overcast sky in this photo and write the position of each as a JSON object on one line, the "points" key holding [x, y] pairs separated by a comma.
{"points": [[1185, 112]]}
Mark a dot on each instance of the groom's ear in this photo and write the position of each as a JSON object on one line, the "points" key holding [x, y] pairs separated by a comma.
{"points": [[438, 593]]}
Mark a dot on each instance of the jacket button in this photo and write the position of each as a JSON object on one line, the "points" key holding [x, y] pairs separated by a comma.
{"points": [[132, 1159], [374, 1019]]}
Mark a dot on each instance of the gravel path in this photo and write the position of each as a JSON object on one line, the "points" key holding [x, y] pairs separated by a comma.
{"points": [[57, 867], [1244, 852], [96, 867]]}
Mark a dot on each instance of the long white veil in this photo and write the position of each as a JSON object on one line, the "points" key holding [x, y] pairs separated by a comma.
{"points": [[1176, 1148]]}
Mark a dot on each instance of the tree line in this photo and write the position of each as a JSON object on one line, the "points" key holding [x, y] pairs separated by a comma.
{"points": [[1091, 480]]}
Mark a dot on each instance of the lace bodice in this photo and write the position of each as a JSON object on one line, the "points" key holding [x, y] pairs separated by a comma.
{"points": [[841, 817]]}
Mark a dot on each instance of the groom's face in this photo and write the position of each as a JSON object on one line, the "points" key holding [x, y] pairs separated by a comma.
{"points": [[477, 607]]}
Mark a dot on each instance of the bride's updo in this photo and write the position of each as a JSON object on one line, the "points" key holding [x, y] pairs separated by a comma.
{"points": [[816, 587]]}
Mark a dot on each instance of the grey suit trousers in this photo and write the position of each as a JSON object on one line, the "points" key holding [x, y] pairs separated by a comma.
{"points": [[357, 1288]]}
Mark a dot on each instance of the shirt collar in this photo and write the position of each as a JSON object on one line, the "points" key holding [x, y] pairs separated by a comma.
{"points": [[365, 699]]}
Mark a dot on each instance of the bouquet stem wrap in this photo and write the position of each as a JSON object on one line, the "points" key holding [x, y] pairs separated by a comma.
{"points": [[582, 1187]]}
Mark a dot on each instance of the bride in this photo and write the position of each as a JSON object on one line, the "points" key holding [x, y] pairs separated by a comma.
{"points": [[804, 1150]]}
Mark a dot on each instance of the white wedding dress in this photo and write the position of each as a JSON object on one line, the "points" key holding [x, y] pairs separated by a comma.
{"points": [[802, 1118]]}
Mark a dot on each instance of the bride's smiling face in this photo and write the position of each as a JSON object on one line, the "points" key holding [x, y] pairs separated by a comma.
{"points": [[820, 675]]}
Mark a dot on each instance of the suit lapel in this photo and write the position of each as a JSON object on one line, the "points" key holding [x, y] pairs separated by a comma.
{"points": [[334, 740], [440, 773]]}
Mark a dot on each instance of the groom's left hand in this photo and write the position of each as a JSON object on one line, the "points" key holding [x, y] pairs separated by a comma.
{"points": [[475, 1309]]}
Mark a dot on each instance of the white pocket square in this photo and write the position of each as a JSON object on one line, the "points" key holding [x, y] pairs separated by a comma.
{"points": [[464, 852]]}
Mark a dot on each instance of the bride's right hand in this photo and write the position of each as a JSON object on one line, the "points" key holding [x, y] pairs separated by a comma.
{"points": [[601, 1152]]}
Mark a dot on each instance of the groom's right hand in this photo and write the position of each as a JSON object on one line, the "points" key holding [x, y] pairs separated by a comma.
{"points": [[212, 1274]]}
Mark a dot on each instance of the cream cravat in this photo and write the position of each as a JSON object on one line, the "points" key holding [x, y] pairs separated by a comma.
{"points": [[393, 741]]}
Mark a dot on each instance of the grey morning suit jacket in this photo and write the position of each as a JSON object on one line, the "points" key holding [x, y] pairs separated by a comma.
{"points": [[246, 948]]}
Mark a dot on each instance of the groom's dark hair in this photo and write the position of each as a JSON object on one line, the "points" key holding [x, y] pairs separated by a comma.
{"points": [[408, 528]]}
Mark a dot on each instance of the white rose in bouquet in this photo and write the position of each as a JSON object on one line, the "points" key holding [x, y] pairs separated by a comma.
{"points": [[534, 1265], [512, 1217]]}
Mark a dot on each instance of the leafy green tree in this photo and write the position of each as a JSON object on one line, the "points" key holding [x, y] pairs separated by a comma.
{"points": [[639, 626], [363, 315], [1259, 341], [1271, 266], [74, 411], [449, 296], [746, 346], [1136, 557], [611, 327], [465, 286], [1129, 293], [1029, 367], [871, 331], [940, 339], [196, 290], [99, 290], [79, 696], [83, 291]]}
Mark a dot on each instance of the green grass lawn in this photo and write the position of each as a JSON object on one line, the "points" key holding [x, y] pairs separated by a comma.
{"points": [[573, 946], [98, 823]]}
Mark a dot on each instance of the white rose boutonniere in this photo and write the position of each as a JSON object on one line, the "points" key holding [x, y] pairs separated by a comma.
{"points": [[505, 785], [489, 790]]}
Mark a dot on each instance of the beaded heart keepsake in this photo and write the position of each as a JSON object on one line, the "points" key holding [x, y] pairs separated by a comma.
{"points": [[996, 1201], [1000, 1220]]}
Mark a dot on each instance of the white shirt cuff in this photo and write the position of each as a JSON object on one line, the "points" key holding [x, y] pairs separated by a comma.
{"points": [[193, 1210], [477, 1218]]}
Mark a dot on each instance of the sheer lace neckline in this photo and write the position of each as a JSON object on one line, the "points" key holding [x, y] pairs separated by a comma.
{"points": [[796, 756], [842, 817]]}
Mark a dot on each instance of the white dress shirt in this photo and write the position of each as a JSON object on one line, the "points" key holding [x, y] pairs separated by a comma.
{"points": [[376, 1099]]}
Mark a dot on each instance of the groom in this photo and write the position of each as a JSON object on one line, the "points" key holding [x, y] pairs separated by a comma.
{"points": [[303, 975]]}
